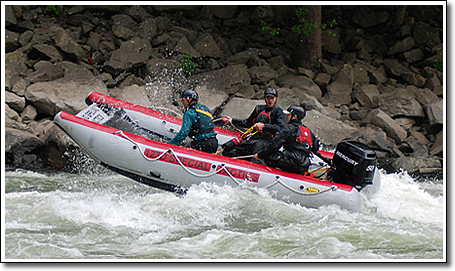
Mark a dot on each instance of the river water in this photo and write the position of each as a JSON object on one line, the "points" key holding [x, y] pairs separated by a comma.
{"points": [[102, 216]]}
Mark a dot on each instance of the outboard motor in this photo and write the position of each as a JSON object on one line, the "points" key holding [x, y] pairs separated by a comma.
{"points": [[354, 164]]}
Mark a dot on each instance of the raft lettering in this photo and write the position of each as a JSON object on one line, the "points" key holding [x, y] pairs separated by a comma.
{"points": [[347, 159], [170, 158], [239, 174]]}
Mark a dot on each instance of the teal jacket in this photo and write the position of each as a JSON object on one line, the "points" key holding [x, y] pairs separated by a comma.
{"points": [[197, 124]]}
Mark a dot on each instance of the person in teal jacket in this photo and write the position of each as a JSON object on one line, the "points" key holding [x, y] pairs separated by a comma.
{"points": [[197, 124]]}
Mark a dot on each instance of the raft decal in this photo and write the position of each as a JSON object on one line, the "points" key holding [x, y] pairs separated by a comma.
{"points": [[240, 174], [312, 190], [170, 158]]}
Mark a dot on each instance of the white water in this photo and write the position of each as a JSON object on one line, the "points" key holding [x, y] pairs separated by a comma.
{"points": [[106, 216]]}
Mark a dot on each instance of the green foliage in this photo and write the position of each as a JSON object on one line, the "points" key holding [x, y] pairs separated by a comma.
{"points": [[54, 11], [271, 30], [438, 65], [303, 27], [188, 65], [98, 14]]}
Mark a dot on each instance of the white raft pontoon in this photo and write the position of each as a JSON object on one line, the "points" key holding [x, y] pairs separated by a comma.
{"points": [[125, 138]]}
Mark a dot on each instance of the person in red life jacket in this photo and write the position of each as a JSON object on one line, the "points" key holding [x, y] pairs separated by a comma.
{"points": [[297, 140], [267, 119], [197, 124]]}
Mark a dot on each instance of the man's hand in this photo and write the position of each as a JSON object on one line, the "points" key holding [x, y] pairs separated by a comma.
{"points": [[226, 119], [256, 156], [259, 126]]}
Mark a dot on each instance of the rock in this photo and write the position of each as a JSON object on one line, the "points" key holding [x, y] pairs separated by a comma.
{"points": [[224, 12], [25, 38], [413, 56], [184, 47], [14, 101], [248, 57], [240, 108], [230, 79], [438, 145], [425, 35], [366, 94], [365, 17], [133, 94], [46, 71], [29, 114], [11, 41], [12, 118], [401, 102], [206, 46], [149, 29], [48, 52], [309, 102], [10, 18], [132, 53], [406, 123], [394, 68], [435, 112], [212, 98], [432, 82], [139, 14], [418, 165], [18, 145], [360, 75], [339, 91], [51, 97], [66, 43], [123, 32], [402, 46], [330, 131], [302, 82], [322, 80], [262, 75], [381, 119]]}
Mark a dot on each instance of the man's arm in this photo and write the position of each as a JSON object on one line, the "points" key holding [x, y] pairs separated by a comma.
{"points": [[189, 118]]}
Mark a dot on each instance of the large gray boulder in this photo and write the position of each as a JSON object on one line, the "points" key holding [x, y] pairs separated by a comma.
{"points": [[400, 102], [381, 119], [67, 93], [132, 53], [329, 130], [339, 91]]}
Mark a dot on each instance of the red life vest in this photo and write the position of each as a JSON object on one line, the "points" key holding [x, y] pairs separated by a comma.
{"points": [[304, 135], [263, 117]]}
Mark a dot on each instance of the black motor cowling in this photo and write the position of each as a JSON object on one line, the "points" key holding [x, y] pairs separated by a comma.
{"points": [[354, 164]]}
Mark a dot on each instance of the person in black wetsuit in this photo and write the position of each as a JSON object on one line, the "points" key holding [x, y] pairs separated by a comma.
{"points": [[297, 140], [267, 119], [197, 124]]}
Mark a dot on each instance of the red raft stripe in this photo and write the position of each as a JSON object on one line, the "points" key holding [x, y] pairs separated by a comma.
{"points": [[202, 155], [108, 100]]}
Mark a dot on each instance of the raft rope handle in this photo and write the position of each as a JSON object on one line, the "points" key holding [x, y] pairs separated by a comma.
{"points": [[332, 188]]}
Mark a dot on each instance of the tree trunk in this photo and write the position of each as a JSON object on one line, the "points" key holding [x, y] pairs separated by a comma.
{"points": [[309, 52]]}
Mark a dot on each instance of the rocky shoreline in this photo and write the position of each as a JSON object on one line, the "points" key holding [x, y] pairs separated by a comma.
{"points": [[379, 81]]}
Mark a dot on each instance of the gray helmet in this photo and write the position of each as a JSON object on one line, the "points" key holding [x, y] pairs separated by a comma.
{"points": [[296, 110], [270, 92], [190, 93]]}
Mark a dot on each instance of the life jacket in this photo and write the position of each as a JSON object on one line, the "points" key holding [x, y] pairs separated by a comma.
{"points": [[264, 117], [204, 122], [303, 138]]}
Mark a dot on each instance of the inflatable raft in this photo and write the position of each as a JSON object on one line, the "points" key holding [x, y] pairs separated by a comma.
{"points": [[131, 140]]}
